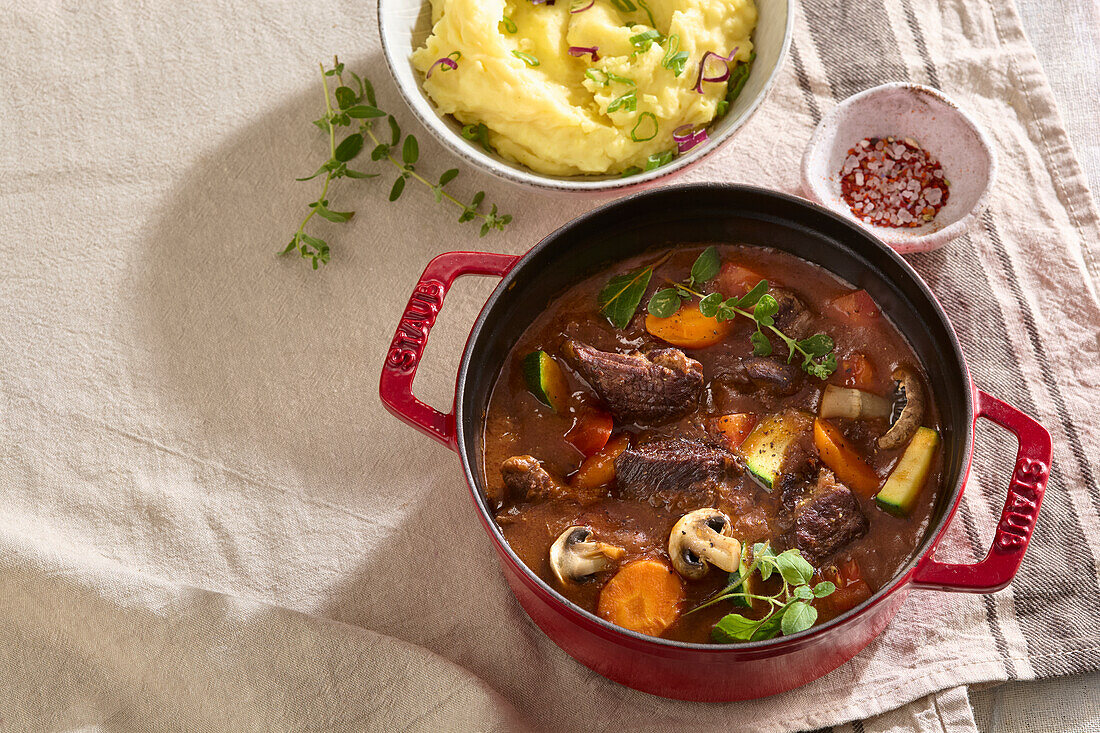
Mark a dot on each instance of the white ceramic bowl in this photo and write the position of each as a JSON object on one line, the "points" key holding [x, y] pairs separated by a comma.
{"points": [[405, 24], [938, 124]]}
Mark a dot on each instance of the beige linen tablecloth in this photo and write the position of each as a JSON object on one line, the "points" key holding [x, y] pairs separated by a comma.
{"points": [[208, 521]]}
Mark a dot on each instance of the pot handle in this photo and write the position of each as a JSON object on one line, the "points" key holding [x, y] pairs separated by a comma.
{"points": [[407, 347], [1021, 509]]}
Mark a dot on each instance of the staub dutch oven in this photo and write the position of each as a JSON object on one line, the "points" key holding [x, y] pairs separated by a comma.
{"points": [[707, 214]]}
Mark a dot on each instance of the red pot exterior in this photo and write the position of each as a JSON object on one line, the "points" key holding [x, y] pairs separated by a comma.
{"points": [[714, 673]]}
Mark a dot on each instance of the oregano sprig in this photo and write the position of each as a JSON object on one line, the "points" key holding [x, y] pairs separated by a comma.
{"points": [[356, 107], [757, 305], [789, 608]]}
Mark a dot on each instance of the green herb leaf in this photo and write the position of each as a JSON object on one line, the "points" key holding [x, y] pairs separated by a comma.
{"points": [[349, 147], [345, 97], [364, 112], [760, 344], [819, 344], [323, 169], [799, 616], [706, 265], [448, 176], [398, 187], [803, 592], [751, 298], [769, 628], [793, 567], [710, 305], [824, 588], [620, 297], [410, 152], [765, 309], [359, 174], [664, 303], [763, 552], [380, 151], [526, 58], [642, 118], [733, 628], [337, 216], [395, 130]]}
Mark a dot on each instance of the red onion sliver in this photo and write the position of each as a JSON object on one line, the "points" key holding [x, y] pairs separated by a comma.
{"points": [[582, 50], [581, 10], [687, 138], [445, 61], [703, 67]]}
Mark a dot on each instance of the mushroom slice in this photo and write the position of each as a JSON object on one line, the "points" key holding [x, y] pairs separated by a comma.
{"points": [[908, 410], [700, 539], [575, 556]]}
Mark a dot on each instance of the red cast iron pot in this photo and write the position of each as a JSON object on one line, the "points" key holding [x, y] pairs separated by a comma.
{"points": [[705, 214]]}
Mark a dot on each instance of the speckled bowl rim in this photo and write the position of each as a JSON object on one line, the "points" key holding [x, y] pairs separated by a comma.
{"points": [[579, 184], [899, 239]]}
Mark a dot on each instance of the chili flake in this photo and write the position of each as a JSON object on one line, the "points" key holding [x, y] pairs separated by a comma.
{"points": [[893, 183]]}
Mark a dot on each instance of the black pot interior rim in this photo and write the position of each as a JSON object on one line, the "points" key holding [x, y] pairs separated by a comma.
{"points": [[469, 463]]}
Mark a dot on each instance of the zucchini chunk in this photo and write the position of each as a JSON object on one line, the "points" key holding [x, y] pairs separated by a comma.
{"points": [[546, 381], [904, 485], [766, 447]]}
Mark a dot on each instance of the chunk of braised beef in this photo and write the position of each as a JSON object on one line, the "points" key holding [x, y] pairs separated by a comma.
{"points": [[525, 478], [792, 317], [828, 519], [671, 465], [640, 388], [774, 375]]}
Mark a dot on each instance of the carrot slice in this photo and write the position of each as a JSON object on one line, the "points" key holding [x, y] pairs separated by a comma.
{"points": [[732, 429], [735, 280], [856, 305], [688, 328], [857, 371], [843, 460], [590, 431], [644, 596], [599, 469], [851, 589]]}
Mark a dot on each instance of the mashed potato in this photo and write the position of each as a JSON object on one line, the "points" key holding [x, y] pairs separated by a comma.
{"points": [[566, 115]]}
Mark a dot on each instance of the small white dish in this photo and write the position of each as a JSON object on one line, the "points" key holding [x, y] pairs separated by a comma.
{"points": [[937, 124], [405, 24]]}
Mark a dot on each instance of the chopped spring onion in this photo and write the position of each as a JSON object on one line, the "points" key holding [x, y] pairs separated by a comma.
{"points": [[582, 50], [644, 40], [598, 75], [645, 6], [726, 60], [628, 101], [578, 6], [624, 6], [631, 171], [658, 159], [686, 137], [448, 62], [526, 58], [641, 119], [509, 24], [674, 59], [478, 133]]}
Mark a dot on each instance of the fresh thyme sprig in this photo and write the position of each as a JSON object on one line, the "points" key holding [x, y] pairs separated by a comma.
{"points": [[350, 110], [789, 609]]}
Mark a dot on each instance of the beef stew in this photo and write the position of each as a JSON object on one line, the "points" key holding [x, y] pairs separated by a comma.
{"points": [[643, 470]]}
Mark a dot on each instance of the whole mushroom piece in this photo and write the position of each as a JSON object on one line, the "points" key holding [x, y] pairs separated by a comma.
{"points": [[700, 539], [908, 408], [576, 556]]}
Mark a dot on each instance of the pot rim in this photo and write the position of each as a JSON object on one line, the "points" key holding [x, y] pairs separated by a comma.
{"points": [[754, 648]]}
